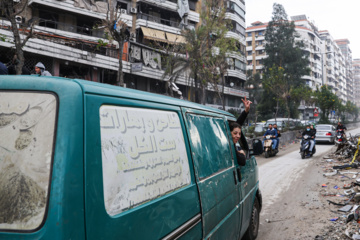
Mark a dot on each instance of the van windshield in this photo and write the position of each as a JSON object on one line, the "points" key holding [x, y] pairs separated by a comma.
{"points": [[27, 126]]}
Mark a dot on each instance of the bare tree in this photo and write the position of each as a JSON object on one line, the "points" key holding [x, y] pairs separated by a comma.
{"points": [[119, 32], [12, 10]]}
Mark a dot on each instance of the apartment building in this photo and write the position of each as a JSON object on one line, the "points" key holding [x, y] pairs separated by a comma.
{"points": [[70, 43], [255, 47], [329, 59], [334, 66], [356, 71], [349, 75]]}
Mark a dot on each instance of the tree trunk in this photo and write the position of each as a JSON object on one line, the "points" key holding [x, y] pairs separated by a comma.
{"points": [[277, 109], [223, 91], [17, 40], [196, 81], [120, 75], [203, 95]]}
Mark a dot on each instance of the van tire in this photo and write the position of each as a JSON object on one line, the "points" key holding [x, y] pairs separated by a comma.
{"points": [[253, 229]]}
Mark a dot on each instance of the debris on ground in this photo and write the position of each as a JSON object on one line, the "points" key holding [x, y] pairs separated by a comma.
{"points": [[341, 169]]}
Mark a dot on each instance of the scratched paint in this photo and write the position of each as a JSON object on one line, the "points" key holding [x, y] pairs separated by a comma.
{"points": [[27, 124], [143, 156]]}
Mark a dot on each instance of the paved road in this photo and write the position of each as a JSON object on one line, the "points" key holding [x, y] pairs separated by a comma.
{"points": [[280, 175]]}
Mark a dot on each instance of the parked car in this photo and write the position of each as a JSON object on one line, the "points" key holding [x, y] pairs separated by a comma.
{"points": [[85, 160], [325, 133]]}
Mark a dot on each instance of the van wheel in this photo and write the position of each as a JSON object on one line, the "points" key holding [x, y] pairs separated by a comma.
{"points": [[253, 229], [266, 154]]}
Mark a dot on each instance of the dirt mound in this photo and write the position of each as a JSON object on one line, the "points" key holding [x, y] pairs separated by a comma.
{"points": [[20, 197]]}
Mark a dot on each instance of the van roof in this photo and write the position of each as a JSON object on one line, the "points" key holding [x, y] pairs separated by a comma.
{"points": [[279, 119], [111, 90]]}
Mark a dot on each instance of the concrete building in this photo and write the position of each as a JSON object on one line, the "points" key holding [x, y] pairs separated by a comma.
{"points": [[330, 60], [349, 75], [356, 69], [334, 66], [69, 42], [255, 47]]}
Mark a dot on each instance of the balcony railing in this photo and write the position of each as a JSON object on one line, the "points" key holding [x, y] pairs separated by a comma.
{"points": [[82, 30], [151, 18]]}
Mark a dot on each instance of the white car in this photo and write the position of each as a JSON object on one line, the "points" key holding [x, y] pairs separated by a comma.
{"points": [[325, 133]]}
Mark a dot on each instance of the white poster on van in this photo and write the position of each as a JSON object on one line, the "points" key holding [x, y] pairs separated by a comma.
{"points": [[143, 156]]}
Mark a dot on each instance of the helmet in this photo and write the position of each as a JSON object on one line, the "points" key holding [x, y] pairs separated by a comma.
{"points": [[40, 65]]}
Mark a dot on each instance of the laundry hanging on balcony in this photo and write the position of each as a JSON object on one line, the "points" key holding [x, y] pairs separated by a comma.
{"points": [[183, 7]]}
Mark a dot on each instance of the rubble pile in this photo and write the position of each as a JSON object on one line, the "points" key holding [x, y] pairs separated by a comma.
{"points": [[341, 191]]}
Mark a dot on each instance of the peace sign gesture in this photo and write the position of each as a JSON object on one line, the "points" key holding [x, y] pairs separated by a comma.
{"points": [[246, 104]]}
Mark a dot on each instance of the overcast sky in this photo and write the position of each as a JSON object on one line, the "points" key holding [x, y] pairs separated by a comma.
{"points": [[340, 18]]}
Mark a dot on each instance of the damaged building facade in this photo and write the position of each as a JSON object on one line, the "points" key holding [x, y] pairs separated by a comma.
{"points": [[69, 41]]}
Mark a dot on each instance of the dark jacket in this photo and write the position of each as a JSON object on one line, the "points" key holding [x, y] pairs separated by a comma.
{"points": [[313, 131], [3, 69], [241, 158], [278, 132], [241, 118], [341, 127], [271, 132], [310, 133]]}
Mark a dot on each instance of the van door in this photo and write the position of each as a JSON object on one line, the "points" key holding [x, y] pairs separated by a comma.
{"points": [[139, 179], [215, 174], [248, 185]]}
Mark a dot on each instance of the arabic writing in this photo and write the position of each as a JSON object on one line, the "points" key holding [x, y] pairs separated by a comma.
{"points": [[143, 156]]}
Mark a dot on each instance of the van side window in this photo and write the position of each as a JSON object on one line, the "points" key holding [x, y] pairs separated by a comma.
{"points": [[210, 144], [143, 156]]}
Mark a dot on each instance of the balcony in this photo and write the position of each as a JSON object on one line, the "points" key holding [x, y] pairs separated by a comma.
{"points": [[68, 6], [155, 19], [64, 29]]}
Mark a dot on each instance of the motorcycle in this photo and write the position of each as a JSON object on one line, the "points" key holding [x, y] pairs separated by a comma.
{"points": [[340, 137], [305, 147], [268, 150]]}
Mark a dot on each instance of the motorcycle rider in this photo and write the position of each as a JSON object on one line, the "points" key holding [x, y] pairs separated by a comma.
{"points": [[341, 128], [313, 130], [312, 136], [273, 133], [277, 139]]}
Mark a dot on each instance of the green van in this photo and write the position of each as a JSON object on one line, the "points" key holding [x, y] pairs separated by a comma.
{"points": [[84, 160]]}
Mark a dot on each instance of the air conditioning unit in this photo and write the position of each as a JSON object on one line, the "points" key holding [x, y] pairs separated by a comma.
{"points": [[133, 10], [123, 11], [19, 19]]}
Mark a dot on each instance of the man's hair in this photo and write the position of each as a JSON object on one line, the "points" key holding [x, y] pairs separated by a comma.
{"points": [[234, 125]]}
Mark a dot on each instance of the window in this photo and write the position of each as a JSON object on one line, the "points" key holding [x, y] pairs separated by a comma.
{"points": [[260, 33], [143, 156], [27, 130], [249, 53], [249, 34], [210, 144]]}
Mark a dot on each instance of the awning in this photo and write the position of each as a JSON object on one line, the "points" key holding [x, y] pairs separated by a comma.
{"points": [[175, 38], [153, 34]]}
